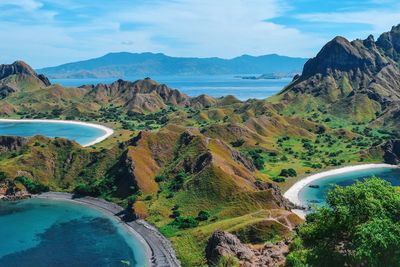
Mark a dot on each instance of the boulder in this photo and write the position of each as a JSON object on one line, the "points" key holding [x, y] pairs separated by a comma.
{"points": [[391, 151]]}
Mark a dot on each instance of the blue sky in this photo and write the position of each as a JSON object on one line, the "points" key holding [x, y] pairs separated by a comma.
{"points": [[52, 32]]}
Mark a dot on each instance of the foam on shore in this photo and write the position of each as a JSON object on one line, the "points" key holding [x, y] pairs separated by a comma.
{"points": [[107, 131]]}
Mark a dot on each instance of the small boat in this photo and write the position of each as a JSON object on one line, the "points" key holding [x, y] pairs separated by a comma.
{"points": [[314, 186]]}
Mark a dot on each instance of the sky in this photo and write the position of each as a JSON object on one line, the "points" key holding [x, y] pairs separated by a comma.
{"points": [[52, 32]]}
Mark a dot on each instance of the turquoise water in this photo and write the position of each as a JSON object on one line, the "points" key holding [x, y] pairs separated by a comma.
{"points": [[80, 133], [213, 85], [317, 196], [59, 233]]}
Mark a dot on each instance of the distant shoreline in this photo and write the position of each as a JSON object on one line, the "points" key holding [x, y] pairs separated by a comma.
{"points": [[108, 131], [158, 249], [292, 194]]}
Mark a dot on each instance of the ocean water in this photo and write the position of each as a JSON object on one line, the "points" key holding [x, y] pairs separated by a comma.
{"points": [[213, 85], [317, 196], [58, 233], [82, 134]]}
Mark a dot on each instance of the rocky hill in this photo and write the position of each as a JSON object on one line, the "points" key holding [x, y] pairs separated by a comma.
{"points": [[141, 96], [359, 80], [12, 78]]}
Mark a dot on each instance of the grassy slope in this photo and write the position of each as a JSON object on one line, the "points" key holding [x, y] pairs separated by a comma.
{"points": [[224, 187]]}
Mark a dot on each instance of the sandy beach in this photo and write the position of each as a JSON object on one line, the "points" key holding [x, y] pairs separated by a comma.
{"points": [[292, 193], [107, 131], [158, 249]]}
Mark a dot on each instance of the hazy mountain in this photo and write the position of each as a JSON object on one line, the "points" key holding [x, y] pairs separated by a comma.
{"points": [[146, 64]]}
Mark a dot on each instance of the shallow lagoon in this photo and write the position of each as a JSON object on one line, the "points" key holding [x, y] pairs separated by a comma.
{"points": [[317, 196], [39, 232], [83, 134]]}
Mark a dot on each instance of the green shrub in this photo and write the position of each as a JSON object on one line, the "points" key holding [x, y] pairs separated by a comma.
{"points": [[160, 178], [288, 172], [132, 199], [32, 187], [237, 143], [3, 176], [203, 215], [185, 222]]}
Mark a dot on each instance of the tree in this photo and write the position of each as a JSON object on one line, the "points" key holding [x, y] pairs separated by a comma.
{"points": [[3, 176], [358, 227], [203, 215]]}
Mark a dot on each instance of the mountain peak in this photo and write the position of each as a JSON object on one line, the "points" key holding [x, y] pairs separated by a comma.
{"points": [[339, 53], [19, 67]]}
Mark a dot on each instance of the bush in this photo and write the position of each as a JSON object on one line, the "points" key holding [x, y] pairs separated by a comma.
{"points": [[185, 222], [132, 199], [237, 143], [160, 178], [3, 176], [258, 160], [177, 183], [203, 215], [86, 190], [32, 187], [278, 179], [288, 172]]}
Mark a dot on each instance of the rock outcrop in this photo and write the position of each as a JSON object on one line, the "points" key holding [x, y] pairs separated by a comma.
{"points": [[391, 151], [223, 244], [12, 143]]}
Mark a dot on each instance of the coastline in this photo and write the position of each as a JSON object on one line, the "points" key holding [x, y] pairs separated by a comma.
{"points": [[158, 249], [292, 194], [108, 131]]}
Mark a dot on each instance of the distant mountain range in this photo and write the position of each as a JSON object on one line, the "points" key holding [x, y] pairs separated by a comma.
{"points": [[120, 65]]}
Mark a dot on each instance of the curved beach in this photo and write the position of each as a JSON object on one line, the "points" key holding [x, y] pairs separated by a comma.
{"points": [[292, 193], [158, 249], [107, 131]]}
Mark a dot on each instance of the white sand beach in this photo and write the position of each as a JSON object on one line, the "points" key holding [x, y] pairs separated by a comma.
{"points": [[107, 131], [292, 193]]}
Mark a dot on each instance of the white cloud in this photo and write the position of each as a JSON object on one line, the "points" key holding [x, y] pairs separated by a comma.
{"points": [[24, 4], [379, 20]]}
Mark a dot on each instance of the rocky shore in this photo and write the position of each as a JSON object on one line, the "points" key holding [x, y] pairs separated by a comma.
{"points": [[159, 249]]}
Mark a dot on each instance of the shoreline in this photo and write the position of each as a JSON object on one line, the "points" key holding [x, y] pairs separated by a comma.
{"points": [[158, 249], [292, 194], [108, 131]]}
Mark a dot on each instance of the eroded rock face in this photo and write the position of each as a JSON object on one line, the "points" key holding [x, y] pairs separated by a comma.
{"points": [[9, 192], [392, 152], [223, 244], [280, 200], [12, 143]]}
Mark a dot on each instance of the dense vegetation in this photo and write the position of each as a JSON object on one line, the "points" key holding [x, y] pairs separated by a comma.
{"points": [[358, 227]]}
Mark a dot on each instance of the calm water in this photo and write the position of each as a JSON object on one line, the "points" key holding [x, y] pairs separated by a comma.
{"points": [[216, 86], [317, 196], [58, 233], [80, 133]]}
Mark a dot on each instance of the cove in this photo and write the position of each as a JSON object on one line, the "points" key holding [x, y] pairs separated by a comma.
{"points": [[40, 232], [314, 193], [86, 134]]}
